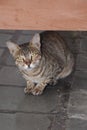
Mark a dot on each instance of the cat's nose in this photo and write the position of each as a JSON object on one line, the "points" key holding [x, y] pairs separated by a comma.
{"points": [[28, 66], [27, 62]]}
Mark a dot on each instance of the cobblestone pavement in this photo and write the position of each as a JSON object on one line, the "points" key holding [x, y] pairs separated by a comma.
{"points": [[63, 107]]}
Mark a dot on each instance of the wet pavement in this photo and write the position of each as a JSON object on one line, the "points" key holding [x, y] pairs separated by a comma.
{"points": [[63, 107]]}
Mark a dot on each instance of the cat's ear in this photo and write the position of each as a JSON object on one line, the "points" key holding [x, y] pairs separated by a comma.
{"points": [[13, 48], [36, 41]]}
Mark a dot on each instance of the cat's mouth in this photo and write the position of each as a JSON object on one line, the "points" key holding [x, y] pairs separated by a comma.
{"points": [[28, 67]]}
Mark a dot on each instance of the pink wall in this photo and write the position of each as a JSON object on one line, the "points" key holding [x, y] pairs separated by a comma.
{"points": [[43, 15]]}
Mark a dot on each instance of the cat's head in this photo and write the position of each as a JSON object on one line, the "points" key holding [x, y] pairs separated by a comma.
{"points": [[27, 57]]}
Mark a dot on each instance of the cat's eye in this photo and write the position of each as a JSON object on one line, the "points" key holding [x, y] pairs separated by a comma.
{"points": [[33, 54], [19, 60], [23, 60], [31, 57]]}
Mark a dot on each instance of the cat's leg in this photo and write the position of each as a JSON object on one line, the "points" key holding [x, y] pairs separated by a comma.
{"points": [[29, 88], [53, 82], [38, 89]]}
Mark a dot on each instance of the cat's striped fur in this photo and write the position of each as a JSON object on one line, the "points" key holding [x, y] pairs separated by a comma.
{"points": [[45, 59]]}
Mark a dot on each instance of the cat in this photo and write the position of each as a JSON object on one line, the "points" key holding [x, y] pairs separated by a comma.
{"points": [[43, 60]]}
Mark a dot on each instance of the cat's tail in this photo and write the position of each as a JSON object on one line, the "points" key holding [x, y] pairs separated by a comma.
{"points": [[68, 67]]}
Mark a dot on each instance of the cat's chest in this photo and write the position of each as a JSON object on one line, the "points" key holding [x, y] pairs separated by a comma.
{"points": [[29, 75], [36, 79]]}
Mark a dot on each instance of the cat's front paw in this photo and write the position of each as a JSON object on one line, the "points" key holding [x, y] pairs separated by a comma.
{"points": [[27, 90], [37, 91]]}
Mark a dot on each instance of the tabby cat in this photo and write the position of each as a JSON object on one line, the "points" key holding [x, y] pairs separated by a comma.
{"points": [[44, 60]]}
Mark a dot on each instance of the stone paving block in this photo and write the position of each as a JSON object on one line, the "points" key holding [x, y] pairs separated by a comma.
{"points": [[81, 63], [11, 76], [14, 99], [59, 122], [10, 98], [4, 38], [32, 122], [3, 31], [70, 34], [7, 121], [83, 34], [24, 39], [83, 47], [24, 122], [9, 59], [31, 32], [6, 58], [1, 52], [76, 124], [80, 80], [77, 106]]}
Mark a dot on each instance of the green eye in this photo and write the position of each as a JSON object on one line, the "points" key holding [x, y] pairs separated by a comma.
{"points": [[31, 57], [33, 54]]}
